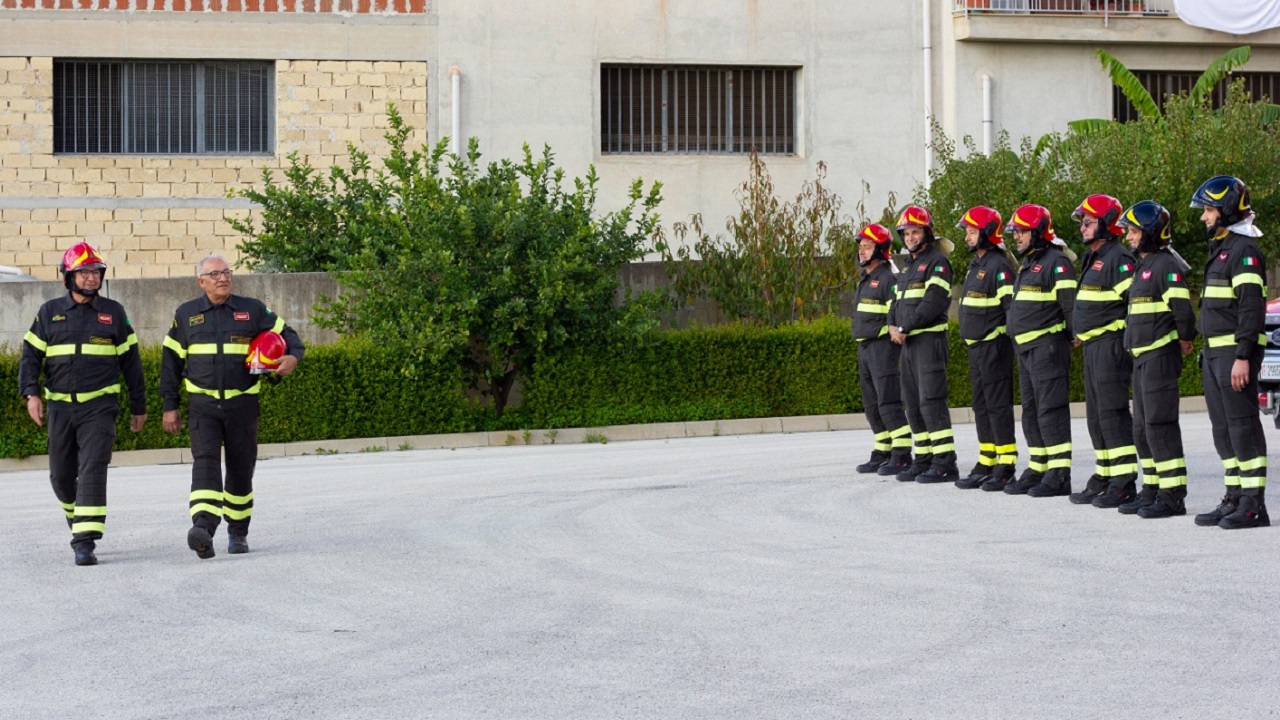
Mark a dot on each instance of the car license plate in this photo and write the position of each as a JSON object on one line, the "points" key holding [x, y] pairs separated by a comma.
{"points": [[1270, 371]]}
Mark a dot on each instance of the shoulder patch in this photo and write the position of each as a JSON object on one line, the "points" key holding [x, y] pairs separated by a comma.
{"points": [[1250, 261], [1126, 267]]}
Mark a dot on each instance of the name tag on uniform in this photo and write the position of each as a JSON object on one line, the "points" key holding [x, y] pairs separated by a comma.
{"points": [[104, 318], [195, 320], [241, 316]]}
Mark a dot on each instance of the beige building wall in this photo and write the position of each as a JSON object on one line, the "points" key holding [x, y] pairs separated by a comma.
{"points": [[155, 216]]}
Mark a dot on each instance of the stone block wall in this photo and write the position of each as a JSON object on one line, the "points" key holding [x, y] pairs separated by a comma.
{"points": [[156, 216]]}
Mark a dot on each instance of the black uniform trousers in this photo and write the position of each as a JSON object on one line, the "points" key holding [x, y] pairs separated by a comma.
{"points": [[213, 428], [882, 397], [924, 392], [81, 436], [991, 380], [1156, 429], [1046, 413], [1108, 374], [1237, 429]]}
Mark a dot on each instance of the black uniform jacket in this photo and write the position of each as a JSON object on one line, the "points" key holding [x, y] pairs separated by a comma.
{"points": [[83, 349], [1160, 309], [207, 345], [988, 292], [1102, 300], [924, 294], [1233, 302], [872, 299], [1043, 298]]}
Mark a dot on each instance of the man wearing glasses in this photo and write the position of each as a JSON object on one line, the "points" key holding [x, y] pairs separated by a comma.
{"points": [[206, 349], [82, 343]]}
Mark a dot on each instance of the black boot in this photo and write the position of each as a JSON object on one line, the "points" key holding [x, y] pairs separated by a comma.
{"points": [[1056, 483], [1250, 512], [1092, 489], [1225, 508], [1170, 502], [201, 541], [84, 553], [1144, 498], [980, 474], [1116, 495], [1029, 479], [237, 544], [878, 458], [919, 467], [895, 465], [1000, 478]]}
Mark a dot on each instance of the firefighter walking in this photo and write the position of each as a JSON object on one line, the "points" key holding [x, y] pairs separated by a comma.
{"points": [[1161, 327], [1232, 319], [984, 303], [918, 322], [1040, 323], [82, 343], [878, 356], [1099, 322], [205, 352]]}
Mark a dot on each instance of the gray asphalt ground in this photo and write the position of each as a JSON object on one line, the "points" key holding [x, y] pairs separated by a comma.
{"points": [[719, 577]]}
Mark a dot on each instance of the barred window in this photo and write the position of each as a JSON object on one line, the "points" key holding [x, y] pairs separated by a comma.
{"points": [[685, 109], [1163, 84], [163, 107]]}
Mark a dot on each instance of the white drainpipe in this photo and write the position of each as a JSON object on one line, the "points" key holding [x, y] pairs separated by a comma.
{"points": [[928, 89], [455, 137], [986, 115]]}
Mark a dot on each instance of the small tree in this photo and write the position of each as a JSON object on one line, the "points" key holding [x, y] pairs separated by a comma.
{"points": [[497, 266], [782, 261]]}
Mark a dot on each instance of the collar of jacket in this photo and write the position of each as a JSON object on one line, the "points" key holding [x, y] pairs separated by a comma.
{"points": [[232, 302]]}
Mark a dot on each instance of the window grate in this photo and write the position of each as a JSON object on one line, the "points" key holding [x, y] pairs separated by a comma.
{"points": [[1163, 84], [163, 108], [680, 109]]}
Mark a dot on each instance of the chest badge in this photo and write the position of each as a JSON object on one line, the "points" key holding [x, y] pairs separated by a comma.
{"points": [[1222, 257], [195, 320], [875, 283], [1037, 268], [921, 267], [1146, 274], [104, 318], [241, 316], [1097, 265], [58, 318], [982, 274]]}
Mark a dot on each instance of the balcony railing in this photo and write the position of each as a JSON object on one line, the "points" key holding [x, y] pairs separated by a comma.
{"points": [[1096, 8]]}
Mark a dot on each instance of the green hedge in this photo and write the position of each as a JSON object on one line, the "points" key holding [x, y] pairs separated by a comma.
{"points": [[356, 389]]}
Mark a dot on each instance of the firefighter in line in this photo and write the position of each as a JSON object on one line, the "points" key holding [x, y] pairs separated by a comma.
{"points": [[918, 322], [1161, 327], [205, 352], [1099, 322], [984, 302], [1232, 318], [1040, 320], [877, 356], [82, 343]]}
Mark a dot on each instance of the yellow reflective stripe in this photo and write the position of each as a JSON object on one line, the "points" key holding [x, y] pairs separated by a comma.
{"points": [[1035, 297], [57, 350], [1113, 326], [237, 499], [109, 350], [234, 514], [279, 326], [206, 495], [80, 397], [1098, 296], [1254, 464], [1177, 292], [35, 341], [991, 335], [941, 327], [1171, 465], [1004, 291], [1218, 292], [1030, 335], [1127, 469], [173, 345], [862, 307], [192, 387], [68, 508], [1123, 285], [1226, 340], [1119, 452], [1159, 343], [129, 342], [83, 527], [205, 507], [1064, 285], [1055, 449], [1149, 308], [203, 349], [1063, 463], [946, 286], [243, 348], [88, 510], [1247, 279], [980, 302], [912, 294]]}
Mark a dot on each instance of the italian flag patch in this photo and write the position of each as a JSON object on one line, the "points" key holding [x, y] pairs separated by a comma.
{"points": [[1126, 267], [1000, 276], [1173, 277], [1059, 269], [1250, 261]]}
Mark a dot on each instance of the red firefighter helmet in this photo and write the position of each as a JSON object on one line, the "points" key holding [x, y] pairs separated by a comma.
{"points": [[1104, 207], [1034, 218], [265, 353], [919, 217], [878, 234], [80, 256], [988, 223]]}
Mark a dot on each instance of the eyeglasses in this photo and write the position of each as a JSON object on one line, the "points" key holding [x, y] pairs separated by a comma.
{"points": [[92, 272], [217, 274], [1088, 223]]}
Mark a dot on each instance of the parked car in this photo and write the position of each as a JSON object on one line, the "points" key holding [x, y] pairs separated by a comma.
{"points": [[1269, 377]]}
